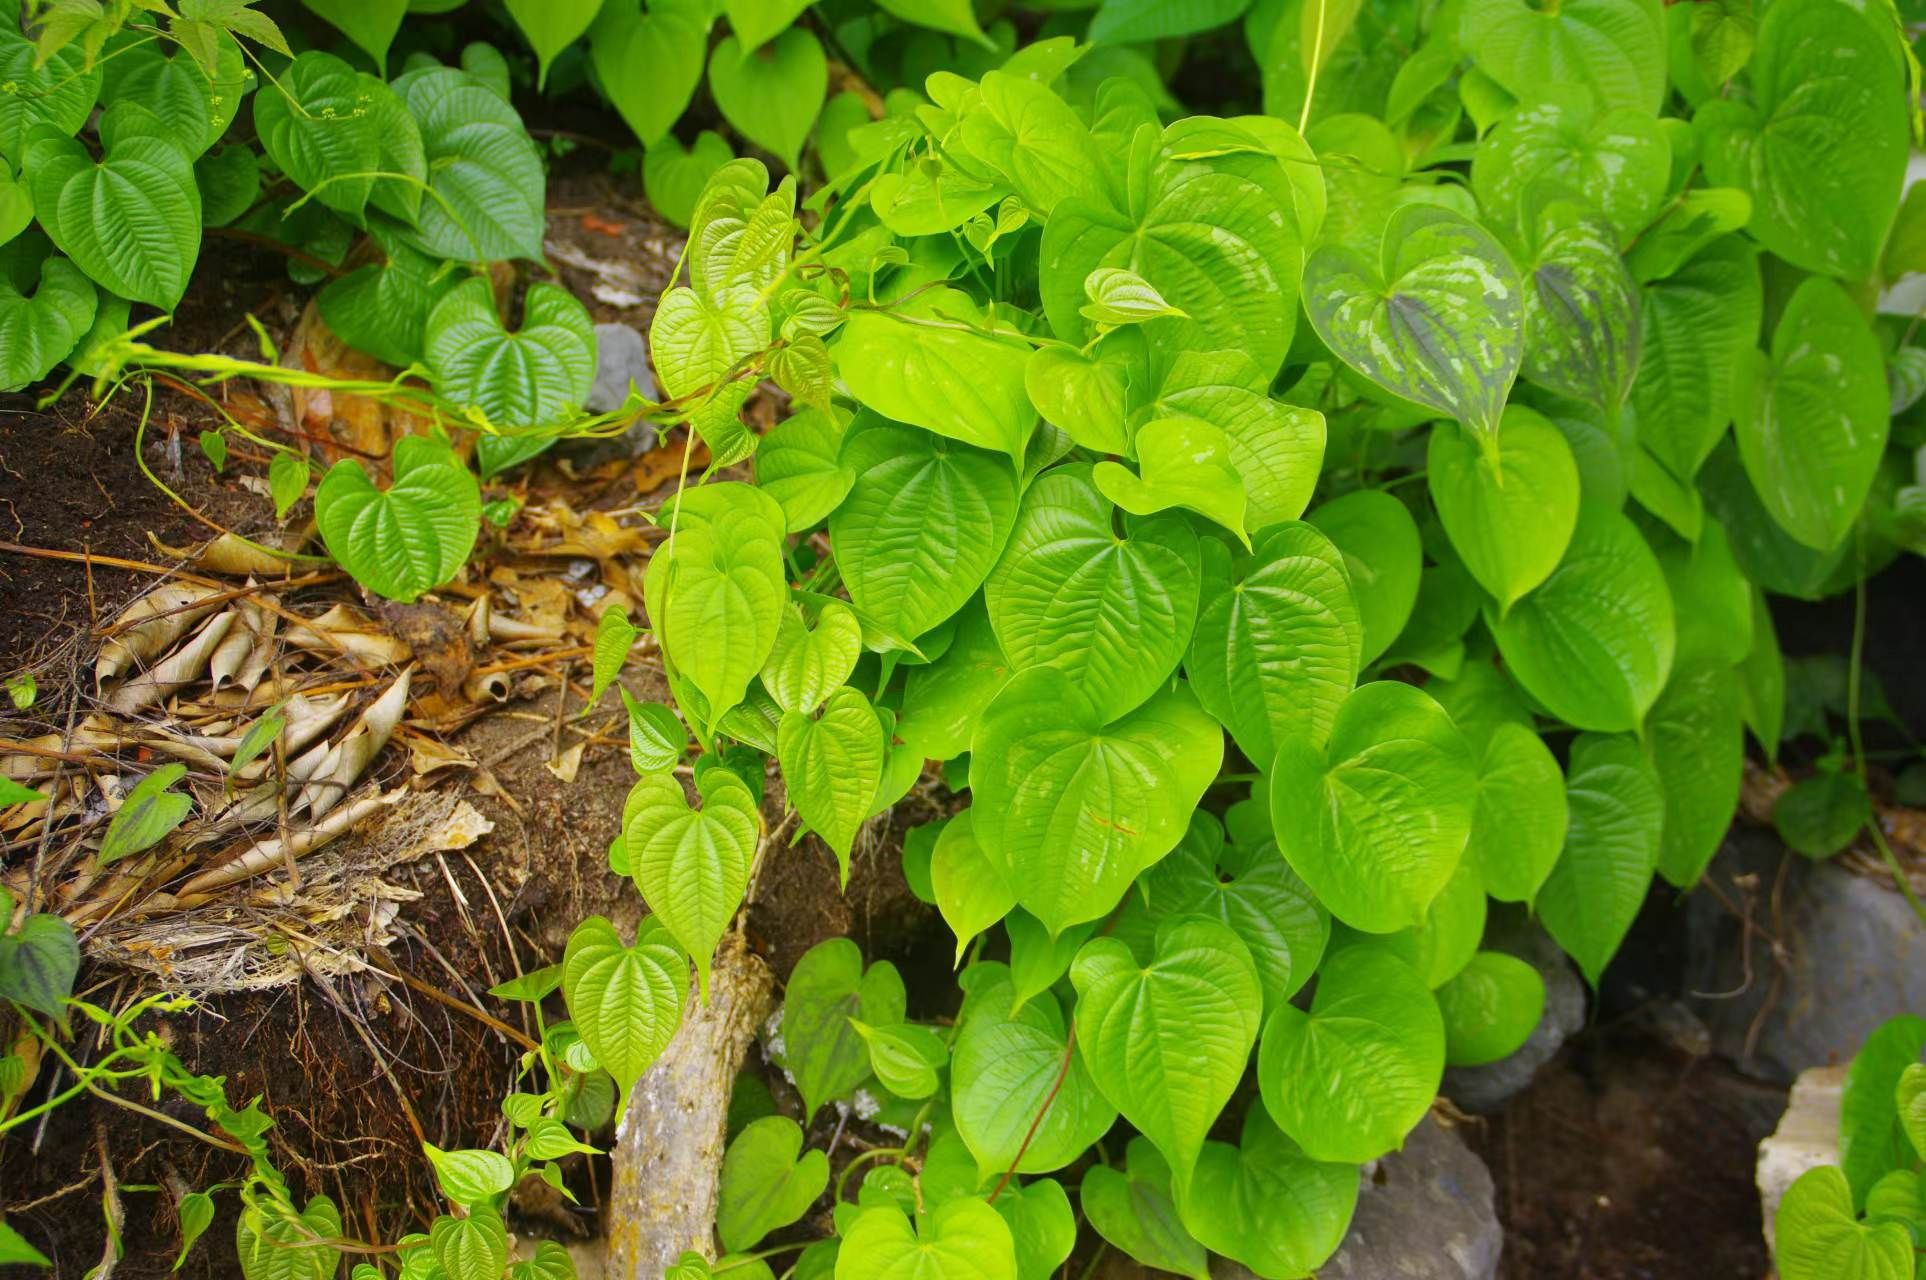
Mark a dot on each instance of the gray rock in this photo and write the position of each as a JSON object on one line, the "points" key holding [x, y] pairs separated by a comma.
{"points": [[1424, 1213], [1850, 955], [1484, 1089], [621, 357]]}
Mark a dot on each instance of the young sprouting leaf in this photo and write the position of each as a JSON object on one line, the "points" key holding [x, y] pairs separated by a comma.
{"points": [[650, 64], [970, 891], [1557, 143], [287, 481], [827, 988], [38, 962], [768, 1181], [132, 220], [833, 764], [474, 1247], [12, 793], [1581, 310], [537, 376], [1696, 735], [1593, 642], [1614, 47], [932, 363], [150, 811], [1167, 1042], [1112, 613], [38, 332], [1071, 808], [1216, 235], [1696, 328], [1376, 819], [196, 1213], [1617, 807], [962, 1239], [715, 591], [1490, 1008], [1518, 826], [1278, 640], [412, 536], [656, 737], [771, 94], [214, 446], [906, 1058], [1871, 1141], [1267, 1204], [1118, 296], [923, 523], [470, 1177], [807, 666], [1383, 558], [1817, 1236], [1134, 1211], [531, 987], [692, 865], [485, 184], [58, 92], [1508, 506], [1437, 319], [943, 700], [626, 1001], [1812, 418], [614, 636], [1350, 1078], [1007, 1065], [1181, 462], [1820, 144], [259, 737]]}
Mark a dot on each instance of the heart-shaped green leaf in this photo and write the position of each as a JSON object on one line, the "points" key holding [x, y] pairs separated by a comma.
{"points": [[1070, 808], [1870, 1141], [656, 737], [371, 24], [827, 988], [1509, 507], [174, 87], [1181, 462], [59, 93], [383, 308], [1007, 1067], [16, 204], [38, 962], [1594, 641], [1020, 129], [1910, 1099], [1082, 394], [132, 221], [470, 1248], [833, 765], [1518, 826], [807, 665], [1168, 1041], [799, 465], [673, 175], [1617, 808], [943, 701], [1581, 310], [551, 26], [410, 537], [1376, 819], [764, 1184], [1383, 557], [970, 892], [771, 94], [692, 865], [537, 376], [1352, 1077], [1438, 319], [273, 1243], [1818, 1237], [922, 525], [962, 1239], [485, 182], [331, 129], [1134, 1211], [1696, 736], [1112, 613], [1278, 639], [38, 332], [1812, 419], [1821, 145], [934, 364], [150, 811], [1697, 327], [1267, 1204], [716, 590], [626, 1001], [756, 22], [1558, 144], [649, 64], [1614, 47], [1490, 1008]]}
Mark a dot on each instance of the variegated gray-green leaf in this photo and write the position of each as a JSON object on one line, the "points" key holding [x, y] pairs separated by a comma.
{"points": [[1558, 144], [1581, 311], [1438, 319]]}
